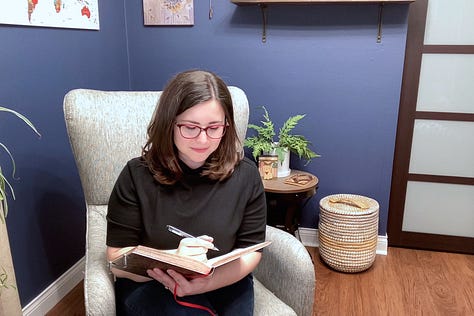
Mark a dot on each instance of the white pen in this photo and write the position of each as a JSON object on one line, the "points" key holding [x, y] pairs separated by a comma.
{"points": [[181, 233]]}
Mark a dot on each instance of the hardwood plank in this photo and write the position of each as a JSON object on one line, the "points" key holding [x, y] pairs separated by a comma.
{"points": [[405, 282], [72, 304]]}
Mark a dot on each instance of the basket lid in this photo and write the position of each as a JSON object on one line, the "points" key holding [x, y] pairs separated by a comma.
{"points": [[349, 204]]}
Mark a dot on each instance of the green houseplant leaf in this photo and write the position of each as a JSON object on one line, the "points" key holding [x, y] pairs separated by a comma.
{"points": [[263, 141], [4, 184]]}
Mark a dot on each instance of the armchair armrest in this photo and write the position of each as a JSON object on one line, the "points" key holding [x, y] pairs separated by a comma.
{"points": [[286, 269], [99, 292]]}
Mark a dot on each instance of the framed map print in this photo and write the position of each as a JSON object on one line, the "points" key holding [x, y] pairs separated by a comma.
{"points": [[78, 14], [168, 12]]}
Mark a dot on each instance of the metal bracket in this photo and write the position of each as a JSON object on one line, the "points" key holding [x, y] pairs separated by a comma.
{"points": [[263, 8], [379, 28]]}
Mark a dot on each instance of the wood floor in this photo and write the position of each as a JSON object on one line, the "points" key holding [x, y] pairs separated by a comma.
{"points": [[405, 282]]}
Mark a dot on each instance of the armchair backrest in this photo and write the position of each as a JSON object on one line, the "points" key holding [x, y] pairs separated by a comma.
{"points": [[107, 128]]}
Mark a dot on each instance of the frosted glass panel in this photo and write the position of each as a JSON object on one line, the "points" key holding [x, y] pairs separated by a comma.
{"points": [[438, 208], [443, 148], [450, 22], [446, 83]]}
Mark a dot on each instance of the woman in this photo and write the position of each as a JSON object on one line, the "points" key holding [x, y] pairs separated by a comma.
{"points": [[191, 175]]}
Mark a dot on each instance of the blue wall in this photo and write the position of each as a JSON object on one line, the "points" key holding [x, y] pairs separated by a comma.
{"points": [[322, 60], [38, 66]]}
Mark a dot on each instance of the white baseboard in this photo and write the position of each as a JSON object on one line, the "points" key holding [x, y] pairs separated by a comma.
{"points": [[309, 237], [44, 302]]}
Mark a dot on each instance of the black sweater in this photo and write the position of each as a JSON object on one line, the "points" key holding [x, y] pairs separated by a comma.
{"points": [[233, 211]]}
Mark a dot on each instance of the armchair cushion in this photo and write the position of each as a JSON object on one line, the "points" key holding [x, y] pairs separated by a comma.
{"points": [[287, 270], [267, 304]]}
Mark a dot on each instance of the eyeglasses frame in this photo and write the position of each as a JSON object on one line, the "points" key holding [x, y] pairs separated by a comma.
{"points": [[202, 129]]}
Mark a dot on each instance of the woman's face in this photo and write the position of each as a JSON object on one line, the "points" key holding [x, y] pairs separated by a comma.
{"points": [[194, 151]]}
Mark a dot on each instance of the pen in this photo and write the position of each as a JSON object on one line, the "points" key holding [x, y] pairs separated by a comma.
{"points": [[181, 233]]}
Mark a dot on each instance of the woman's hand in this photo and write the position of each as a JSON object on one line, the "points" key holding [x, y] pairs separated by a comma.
{"points": [[196, 248], [221, 276], [171, 279]]}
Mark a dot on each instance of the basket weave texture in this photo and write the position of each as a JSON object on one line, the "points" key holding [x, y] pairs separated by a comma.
{"points": [[348, 229]]}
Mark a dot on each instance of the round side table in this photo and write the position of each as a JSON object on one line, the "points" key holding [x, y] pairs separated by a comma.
{"points": [[291, 196]]}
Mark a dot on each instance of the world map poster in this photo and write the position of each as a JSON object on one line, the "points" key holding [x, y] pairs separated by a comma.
{"points": [[78, 14]]}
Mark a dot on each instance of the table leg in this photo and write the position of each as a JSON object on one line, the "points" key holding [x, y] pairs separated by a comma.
{"points": [[284, 210]]}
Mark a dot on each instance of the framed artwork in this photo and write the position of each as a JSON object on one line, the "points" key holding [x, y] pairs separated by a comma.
{"points": [[77, 14], [168, 12]]}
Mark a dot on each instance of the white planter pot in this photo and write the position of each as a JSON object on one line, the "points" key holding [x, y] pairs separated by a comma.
{"points": [[9, 299], [284, 166]]}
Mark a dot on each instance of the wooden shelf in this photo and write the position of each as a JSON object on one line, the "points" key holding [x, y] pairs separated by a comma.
{"points": [[264, 3], [250, 2]]}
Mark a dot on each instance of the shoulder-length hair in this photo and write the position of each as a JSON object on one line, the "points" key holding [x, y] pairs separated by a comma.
{"points": [[184, 91]]}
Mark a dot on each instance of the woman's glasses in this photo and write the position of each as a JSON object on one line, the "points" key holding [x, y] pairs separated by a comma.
{"points": [[190, 131]]}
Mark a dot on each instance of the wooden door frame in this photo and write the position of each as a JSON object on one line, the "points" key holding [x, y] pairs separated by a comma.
{"points": [[406, 120]]}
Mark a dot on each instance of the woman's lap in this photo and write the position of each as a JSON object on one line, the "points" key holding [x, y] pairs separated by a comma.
{"points": [[151, 298]]}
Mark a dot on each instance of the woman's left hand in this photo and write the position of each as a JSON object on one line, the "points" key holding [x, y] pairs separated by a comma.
{"points": [[185, 287], [222, 276], [195, 248]]}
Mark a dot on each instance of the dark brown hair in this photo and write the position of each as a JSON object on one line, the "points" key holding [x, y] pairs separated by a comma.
{"points": [[182, 92]]}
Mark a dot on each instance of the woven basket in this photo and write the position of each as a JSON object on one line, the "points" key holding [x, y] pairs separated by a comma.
{"points": [[348, 228]]}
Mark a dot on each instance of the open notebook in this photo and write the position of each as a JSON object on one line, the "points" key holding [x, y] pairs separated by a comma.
{"points": [[141, 258]]}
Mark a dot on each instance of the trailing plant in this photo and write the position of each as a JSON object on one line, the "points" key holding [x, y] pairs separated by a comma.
{"points": [[4, 184], [4, 282], [264, 141]]}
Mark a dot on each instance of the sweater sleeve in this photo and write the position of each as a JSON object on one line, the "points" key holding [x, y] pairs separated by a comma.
{"points": [[253, 226], [123, 214]]}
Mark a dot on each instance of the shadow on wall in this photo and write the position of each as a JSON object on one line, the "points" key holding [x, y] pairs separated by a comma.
{"points": [[47, 226], [63, 222], [324, 16], [58, 221]]}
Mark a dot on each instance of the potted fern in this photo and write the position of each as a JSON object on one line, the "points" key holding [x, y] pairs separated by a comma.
{"points": [[9, 298], [264, 142]]}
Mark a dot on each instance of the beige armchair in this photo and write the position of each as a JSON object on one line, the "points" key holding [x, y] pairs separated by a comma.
{"points": [[106, 129]]}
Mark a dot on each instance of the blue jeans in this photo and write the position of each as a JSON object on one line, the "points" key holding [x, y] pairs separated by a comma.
{"points": [[151, 298]]}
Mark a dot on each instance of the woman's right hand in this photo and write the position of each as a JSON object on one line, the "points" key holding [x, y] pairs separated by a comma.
{"points": [[196, 248]]}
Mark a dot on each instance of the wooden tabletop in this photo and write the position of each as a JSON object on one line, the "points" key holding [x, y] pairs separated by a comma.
{"points": [[278, 185]]}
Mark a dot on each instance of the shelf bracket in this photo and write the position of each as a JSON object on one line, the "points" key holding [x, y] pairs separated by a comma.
{"points": [[263, 8], [211, 10], [379, 27]]}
